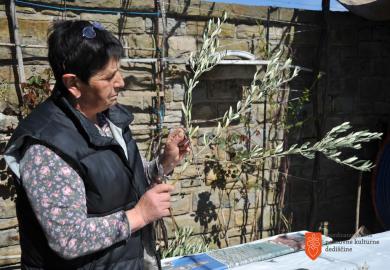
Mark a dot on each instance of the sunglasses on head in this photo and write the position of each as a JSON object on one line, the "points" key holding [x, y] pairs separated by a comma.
{"points": [[89, 31]]}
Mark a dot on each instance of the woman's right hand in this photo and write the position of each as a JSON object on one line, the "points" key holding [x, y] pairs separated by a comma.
{"points": [[153, 205]]}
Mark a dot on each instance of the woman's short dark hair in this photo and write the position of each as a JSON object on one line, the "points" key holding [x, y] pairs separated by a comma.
{"points": [[71, 52]]}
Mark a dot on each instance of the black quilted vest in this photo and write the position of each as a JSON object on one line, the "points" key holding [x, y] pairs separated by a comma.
{"points": [[112, 182]]}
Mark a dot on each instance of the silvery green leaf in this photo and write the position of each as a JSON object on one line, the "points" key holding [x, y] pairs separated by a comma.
{"points": [[219, 128], [230, 111], [350, 160], [205, 141], [183, 108], [193, 131], [279, 148]]}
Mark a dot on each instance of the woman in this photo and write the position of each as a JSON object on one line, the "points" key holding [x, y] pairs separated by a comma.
{"points": [[85, 198]]}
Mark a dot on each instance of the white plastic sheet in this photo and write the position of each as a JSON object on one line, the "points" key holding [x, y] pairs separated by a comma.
{"points": [[366, 253]]}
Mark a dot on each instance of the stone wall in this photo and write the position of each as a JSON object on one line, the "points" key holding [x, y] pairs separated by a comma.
{"points": [[354, 54], [353, 82]]}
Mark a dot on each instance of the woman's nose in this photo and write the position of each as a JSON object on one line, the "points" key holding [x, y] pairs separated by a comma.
{"points": [[119, 82]]}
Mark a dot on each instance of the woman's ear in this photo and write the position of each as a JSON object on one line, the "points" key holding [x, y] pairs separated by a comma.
{"points": [[71, 82]]}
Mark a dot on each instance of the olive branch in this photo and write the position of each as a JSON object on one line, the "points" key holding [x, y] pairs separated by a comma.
{"points": [[278, 73]]}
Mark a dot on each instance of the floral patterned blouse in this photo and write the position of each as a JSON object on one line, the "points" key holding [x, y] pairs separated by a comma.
{"points": [[57, 196]]}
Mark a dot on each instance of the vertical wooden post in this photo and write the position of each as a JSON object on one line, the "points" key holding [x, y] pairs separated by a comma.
{"points": [[359, 192], [19, 55]]}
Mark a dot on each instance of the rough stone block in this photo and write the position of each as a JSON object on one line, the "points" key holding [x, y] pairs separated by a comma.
{"points": [[195, 28], [173, 116], [286, 14], [183, 221], [190, 172], [248, 31], [173, 105], [134, 24], [4, 31], [7, 208], [132, 102], [235, 44], [27, 10], [228, 30], [141, 5], [8, 223], [168, 96], [140, 45], [241, 11], [190, 183], [244, 217], [10, 255], [227, 217], [179, 45], [178, 92], [210, 9], [277, 32], [246, 200], [8, 122], [140, 100], [33, 32], [57, 13], [181, 204], [6, 74], [183, 7], [107, 4], [6, 53], [228, 200], [9, 237], [135, 81], [142, 118], [174, 27]]}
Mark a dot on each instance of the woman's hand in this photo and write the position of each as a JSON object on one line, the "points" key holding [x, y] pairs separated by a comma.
{"points": [[176, 147], [153, 205]]}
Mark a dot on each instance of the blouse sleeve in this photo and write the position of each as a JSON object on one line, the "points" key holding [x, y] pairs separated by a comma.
{"points": [[57, 196]]}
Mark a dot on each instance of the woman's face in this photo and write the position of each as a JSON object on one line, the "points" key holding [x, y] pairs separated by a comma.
{"points": [[102, 90]]}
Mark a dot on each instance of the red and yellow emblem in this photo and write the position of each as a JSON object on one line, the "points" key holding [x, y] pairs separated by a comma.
{"points": [[313, 244]]}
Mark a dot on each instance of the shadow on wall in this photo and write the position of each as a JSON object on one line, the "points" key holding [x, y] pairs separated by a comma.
{"points": [[206, 216]]}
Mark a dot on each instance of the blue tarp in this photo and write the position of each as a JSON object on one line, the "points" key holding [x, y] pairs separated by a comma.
{"points": [[301, 4]]}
